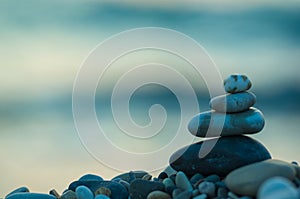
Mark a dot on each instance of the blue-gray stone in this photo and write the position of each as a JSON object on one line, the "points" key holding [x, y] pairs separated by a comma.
{"points": [[237, 83], [30, 196], [248, 122], [234, 102], [229, 153]]}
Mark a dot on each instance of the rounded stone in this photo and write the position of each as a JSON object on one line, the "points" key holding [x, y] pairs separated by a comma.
{"points": [[247, 122], [139, 189], [208, 188], [247, 180], [183, 182], [24, 195], [228, 154], [234, 102], [236, 83], [277, 188], [158, 195], [92, 177], [18, 190], [82, 192]]}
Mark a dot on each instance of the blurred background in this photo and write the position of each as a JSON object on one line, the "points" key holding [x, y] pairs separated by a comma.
{"points": [[43, 43]]}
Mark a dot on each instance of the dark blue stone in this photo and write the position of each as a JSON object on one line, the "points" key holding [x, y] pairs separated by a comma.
{"points": [[228, 154]]}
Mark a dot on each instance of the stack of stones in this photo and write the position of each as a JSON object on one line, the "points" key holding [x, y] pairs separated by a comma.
{"points": [[238, 167], [232, 149]]}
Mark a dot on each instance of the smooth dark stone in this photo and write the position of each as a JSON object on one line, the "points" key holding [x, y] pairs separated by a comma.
{"points": [[229, 153], [118, 191], [139, 189], [248, 122], [30, 196]]}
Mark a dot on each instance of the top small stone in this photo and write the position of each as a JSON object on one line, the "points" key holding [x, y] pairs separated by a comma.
{"points": [[236, 83]]}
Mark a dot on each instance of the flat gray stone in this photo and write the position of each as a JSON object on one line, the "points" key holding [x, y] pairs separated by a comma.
{"points": [[234, 102], [247, 180], [248, 122], [236, 83]]}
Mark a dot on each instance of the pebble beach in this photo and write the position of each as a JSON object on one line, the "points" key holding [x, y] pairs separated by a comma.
{"points": [[238, 167]]}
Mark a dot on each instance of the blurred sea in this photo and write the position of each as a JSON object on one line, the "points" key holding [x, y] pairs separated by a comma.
{"points": [[44, 44]]}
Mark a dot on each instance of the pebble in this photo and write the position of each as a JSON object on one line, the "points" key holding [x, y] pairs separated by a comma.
{"points": [[208, 188], [277, 188], [26, 195], [183, 182], [92, 177], [202, 196], [247, 180], [158, 195], [248, 122], [162, 175], [176, 192], [212, 178], [184, 195], [168, 182], [195, 192], [234, 102], [195, 178], [104, 191], [82, 192], [237, 83], [69, 194], [132, 175], [228, 154], [18, 190], [54, 193], [118, 191], [222, 192], [139, 189], [101, 196], [147, 177]]}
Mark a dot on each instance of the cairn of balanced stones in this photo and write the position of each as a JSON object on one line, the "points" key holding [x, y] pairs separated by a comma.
{"points": [[232, 149]]}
